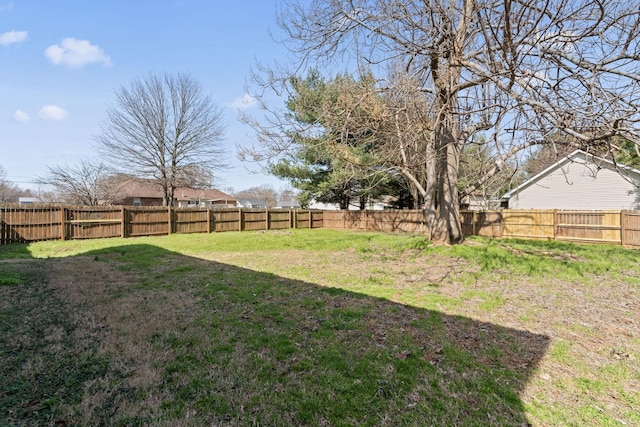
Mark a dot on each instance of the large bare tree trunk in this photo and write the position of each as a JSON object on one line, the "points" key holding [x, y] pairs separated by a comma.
{"points": [[430, 204], [450, 230], [446, 216], [448, 140]]}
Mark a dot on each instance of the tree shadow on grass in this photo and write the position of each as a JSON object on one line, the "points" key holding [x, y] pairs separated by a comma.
{"points": [[137, 335]]}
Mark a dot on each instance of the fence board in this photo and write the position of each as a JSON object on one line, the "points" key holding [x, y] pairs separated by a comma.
{"points": [[279, 220], [92, 222], [30, 224], [334, 219], [147, 221], [254, 219], [191, 220], [226, 220], [481, 223], [528, 224], [468, 222], [589, 226], [4, 232], [630, 222], [354, 220], [317, 219], [302, 219], [489, 224], [410, 221]]}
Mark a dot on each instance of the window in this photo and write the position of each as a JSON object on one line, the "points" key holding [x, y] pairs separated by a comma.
{"points": [[136, 201]]}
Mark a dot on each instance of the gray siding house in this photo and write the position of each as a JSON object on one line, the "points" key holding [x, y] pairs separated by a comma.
{"points": [[579, 181]]}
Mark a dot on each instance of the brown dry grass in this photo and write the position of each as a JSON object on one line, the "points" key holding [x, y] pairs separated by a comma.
{"points": [[124, 320]]}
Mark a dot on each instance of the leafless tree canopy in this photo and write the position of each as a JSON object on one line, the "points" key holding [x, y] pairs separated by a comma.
{"points": [[85, 184], [509, 73], [9, 193], [163, 128], [264, 192], [287, 194]]}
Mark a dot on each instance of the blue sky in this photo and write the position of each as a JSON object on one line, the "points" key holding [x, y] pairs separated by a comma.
{"points": [[62, 61]]}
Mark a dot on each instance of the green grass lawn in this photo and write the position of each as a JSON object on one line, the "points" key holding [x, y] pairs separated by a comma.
{"points": [[318, 327]]}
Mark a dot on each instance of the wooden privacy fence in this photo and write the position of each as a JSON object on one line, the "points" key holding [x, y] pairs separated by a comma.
{"points": [[410, 221], [614, 227], [32, 223]]}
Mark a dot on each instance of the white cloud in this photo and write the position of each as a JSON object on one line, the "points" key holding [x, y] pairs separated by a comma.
{"points": [[52, 112], [244, 102], [11, 37], [76, 53], [21, 117]]}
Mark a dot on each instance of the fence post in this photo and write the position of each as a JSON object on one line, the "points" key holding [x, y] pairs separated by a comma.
{"points": [[170, 219], [208, 220], [63, 223], [3, 229], [555, 224], [266, 219], [310, 220], [474, 222], [623, 229], [240, 219], [123, 222]]}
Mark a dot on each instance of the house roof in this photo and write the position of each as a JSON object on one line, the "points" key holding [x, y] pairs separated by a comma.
{"points": [[134, 188], [577, 156], [184, 193]]}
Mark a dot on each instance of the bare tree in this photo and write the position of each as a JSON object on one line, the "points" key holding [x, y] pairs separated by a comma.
{"points": [[516, 72], [287, 194], [195, 176], [4, 186], [264, 192], [163, 128], [475, 162], [9, 192], [84, 184]]}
